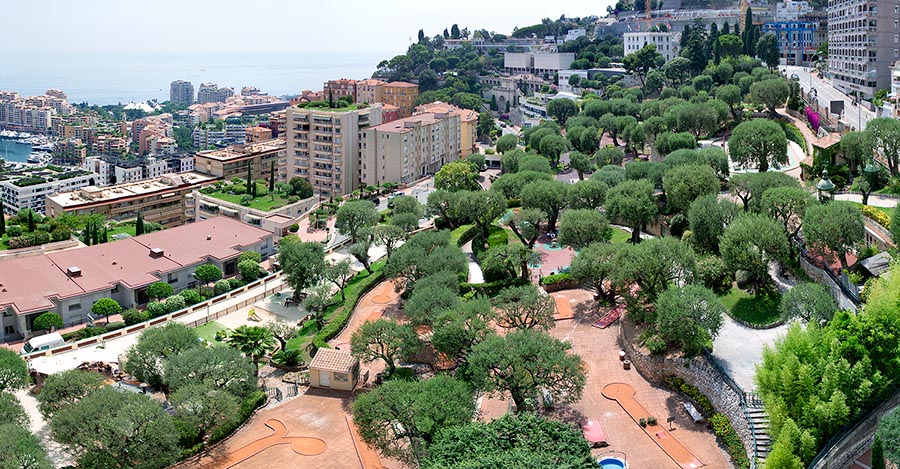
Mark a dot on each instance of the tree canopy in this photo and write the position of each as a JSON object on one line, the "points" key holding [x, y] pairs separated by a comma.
{"points": [[759, 143]]}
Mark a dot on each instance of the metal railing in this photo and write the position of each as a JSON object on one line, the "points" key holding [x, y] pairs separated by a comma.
{"points": [[742, 396]]}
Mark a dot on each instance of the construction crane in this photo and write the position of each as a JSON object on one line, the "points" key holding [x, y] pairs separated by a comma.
{"points": [[648, 9]]}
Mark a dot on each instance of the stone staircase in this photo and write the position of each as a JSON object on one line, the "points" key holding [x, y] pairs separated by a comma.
{"points": [[760, 421]]}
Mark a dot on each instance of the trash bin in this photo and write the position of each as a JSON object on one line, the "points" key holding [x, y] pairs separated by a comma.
{"points": [[377, 378], [627, 364]]}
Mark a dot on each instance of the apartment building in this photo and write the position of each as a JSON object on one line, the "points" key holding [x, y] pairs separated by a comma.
{"points": [[863, 43], [468, 123], [69, 282], [211, 93], [369, 91], [109, 145], [181, 92], [400, 94], [539, 63], [69, 151], [257, 134], [667, 44], [337, 89], [408, 149], [31, 191], [232, 162], [160, 199], [323, 146]]}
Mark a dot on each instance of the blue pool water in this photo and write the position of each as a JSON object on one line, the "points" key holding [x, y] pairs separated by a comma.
{"points": [[611, 463]]}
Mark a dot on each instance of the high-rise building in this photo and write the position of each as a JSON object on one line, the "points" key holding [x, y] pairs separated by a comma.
{"points": [[181, 92], [408, 149], [323, 146], [211, 93], [863, 42]]}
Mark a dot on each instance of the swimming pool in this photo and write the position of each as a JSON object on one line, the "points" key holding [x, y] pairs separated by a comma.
{"points": [[611, 463]]}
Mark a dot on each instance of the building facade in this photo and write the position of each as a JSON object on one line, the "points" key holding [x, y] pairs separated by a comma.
{"points": [[408, 149], [400, 94], [232, 162], [211, 93], [667, 44], [797, 40], [337, 89], [468, 124], [181, 92], [323, 146], [159, 200], [32, 191], [544, 64], [863, 43]]}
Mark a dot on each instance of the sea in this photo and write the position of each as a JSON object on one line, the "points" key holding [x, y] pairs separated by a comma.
{"points": [[122, 78], [14, 151]]}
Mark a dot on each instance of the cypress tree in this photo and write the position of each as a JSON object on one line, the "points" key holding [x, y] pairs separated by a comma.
{"points": [[95, 234], [725, 28], [747, 32], [87, 232], [272, 178], [717, 51], [31, 221], [249, 179], [139, 225], [2, 220], [104, 237]]}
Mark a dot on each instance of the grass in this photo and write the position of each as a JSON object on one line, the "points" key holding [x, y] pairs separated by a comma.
{"points": [[457, 233], [620, 236], [758, 310], [126, 229], [208, 331], [4, 242], [263, 203], [497, 236]]}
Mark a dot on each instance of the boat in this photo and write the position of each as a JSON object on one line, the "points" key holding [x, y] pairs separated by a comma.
{"points": [[33, 158]]}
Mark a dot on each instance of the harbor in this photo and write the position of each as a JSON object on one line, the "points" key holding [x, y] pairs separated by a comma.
{"points": [[25, 148]]}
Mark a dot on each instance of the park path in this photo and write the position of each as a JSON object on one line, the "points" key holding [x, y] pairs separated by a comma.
{"points": [[875, 200], [476, 275]]}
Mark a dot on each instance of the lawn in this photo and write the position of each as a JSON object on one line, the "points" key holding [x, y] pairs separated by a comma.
{"points": [[4, 242], [757, 310], [620, 236], [457, 233], [208, 331], [263, 203], [122, 229]]}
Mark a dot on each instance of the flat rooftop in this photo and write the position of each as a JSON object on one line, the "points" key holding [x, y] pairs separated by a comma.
{"points": [[409, 123], [94, 195], [29, 284], [242, 151]]}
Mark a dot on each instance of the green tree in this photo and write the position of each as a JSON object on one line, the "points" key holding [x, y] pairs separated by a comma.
{"points": [[684, 184], [581, 227], [767, 50], [878, 454], [318, 299], [21, 449], [386, 340], [282, 331], [758, 142], [580, 163], [456, 176], [250, 270], [653, 265], [300, 187], [641, 62], [524, 307], [547, 196], [531, 163], [707, 217], [506, 143], [422, 255], [47, 321], [889, 431], [526, 225], [354, 216], [109, 428], [525, 362], [388, 236], [432, 295], [772, 93], [552, 147], [303, 264], [145, 360], [339, 273], [106, 307], [808, 301], [159, 290], [486, 123], [593, 267], [481, 208], [562, 109], [139, 224], [884, 135], [730, 45], [750, 243], [689, 316], [401, 418], [61, 390], [208, 273], [634, 204], [255, 342], [203, 408], [219, 367], [836, 227], [731, 95], [514, 440], [587, 194], [456, 331]]}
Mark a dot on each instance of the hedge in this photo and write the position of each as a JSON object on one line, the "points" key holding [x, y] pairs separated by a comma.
{"points": [[490, 288], [556, 278], [720, 424], [877, 216], [464, 234], [254, 401], [354, 291]]}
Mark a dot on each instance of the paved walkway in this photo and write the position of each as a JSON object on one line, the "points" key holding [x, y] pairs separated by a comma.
{"points": [[476, 275], [301, 445], [875, 200], [739, 348]]}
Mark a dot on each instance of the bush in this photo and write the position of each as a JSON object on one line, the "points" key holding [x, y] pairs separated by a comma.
{"points": [[133, 316], [235, 283], [156, 309], [114, 326], [23, 241], [248, 405], [713, 274], [246, 199], [287, 357], [878, 216], [221, 287], [60, 234], [556, 278], [92, 331], [489, 289], [46, 321], [294, 228], [679, 385], [467, 235], [174, 303], [191, 296], [722, 428], [654, 343], [14, 231]]}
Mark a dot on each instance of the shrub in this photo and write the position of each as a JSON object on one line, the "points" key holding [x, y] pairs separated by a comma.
{"points": [[653, 342], [489, 289], [14, 231], [713, 274], [467, 235], [248, 405], [92, 331], [133, 316], [287, 357], [878, 216], [156, 309], [46, 321], [221, 287], [114, 326], [556, 278], [191, 296], [235, 283], [246, 199], [294, 228], [40, 237], [23, 241], [60, 234], [722, 428], [174, 303], [679, 385]]}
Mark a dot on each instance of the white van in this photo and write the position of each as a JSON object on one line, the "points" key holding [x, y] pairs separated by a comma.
{"points": [[43, 342]]}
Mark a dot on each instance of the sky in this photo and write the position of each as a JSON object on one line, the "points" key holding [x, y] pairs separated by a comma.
{"points": [[100, 27]]}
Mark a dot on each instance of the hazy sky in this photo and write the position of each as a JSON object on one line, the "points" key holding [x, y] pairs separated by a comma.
{"points": [[297, 26]]}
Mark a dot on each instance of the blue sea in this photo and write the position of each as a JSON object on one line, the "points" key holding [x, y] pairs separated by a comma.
{"points": [[13, 151]]}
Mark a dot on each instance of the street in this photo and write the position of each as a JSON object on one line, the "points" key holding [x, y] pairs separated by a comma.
{"points": [[827, 93]]}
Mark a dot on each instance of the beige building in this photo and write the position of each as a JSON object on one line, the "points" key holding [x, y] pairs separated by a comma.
{"points": [[369, 91], [468, 123], [160, 200], [231, 162], [408, 149], [863, 43], [334, 369], [323, 146], [400, 94]]}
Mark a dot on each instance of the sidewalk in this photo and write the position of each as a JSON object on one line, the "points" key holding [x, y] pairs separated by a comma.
{"points": [[875, 200]]}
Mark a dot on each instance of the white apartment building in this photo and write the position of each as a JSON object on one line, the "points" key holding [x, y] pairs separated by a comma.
{"points": [[667, 44], [323, 146], [408, 149], [863, 44], [539, 63], [31, 192], [566, 75], [574, 34], [790, 10]]}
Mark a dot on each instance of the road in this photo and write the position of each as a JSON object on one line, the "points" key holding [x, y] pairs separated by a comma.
{"points": [[827, 93]]}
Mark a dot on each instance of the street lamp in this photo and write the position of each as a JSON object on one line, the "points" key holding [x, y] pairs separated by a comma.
{"points": [[825, 187]]}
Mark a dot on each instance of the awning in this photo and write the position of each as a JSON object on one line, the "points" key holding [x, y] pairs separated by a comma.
{"points": [[593, 433]]}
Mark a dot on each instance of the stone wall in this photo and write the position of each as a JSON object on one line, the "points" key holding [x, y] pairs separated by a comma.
{"points": [[819, 276], [857, 441], [696, 371]]}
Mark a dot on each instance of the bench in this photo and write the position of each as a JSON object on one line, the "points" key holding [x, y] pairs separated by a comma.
{"points": [[692, 411]]}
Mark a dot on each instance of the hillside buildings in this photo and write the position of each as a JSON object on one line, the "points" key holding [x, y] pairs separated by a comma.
{"points": [[211, 93], [31, 191], [233, 161], [69, 282], [667, 44], [408, 149], [112, 169], [323, 145], [863, 42], [539, 63], [32, 114], [181, 92], [162, 200], [400, 94]]}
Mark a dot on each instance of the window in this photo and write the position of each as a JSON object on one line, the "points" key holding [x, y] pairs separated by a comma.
{"points": [[341, 377], [172, 278], [74, 307], [9, 330]]}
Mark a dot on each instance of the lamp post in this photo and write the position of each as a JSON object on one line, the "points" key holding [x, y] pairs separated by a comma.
{"points": [[825, 187]]}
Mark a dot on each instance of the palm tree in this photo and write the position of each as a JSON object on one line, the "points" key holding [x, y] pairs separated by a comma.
{"points": [[253, 341]]}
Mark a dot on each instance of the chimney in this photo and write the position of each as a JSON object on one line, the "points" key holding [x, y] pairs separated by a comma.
{"points": [[156, 252], [73, 271]]}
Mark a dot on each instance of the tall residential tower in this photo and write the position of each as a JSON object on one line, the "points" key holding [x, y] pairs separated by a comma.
{"points": [[863, 43], [181, 92]]}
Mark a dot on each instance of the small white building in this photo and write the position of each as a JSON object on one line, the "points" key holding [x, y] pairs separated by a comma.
{"points": [[32, 191], [574, 34], [790, 10], [667, 44], [566, 75]]}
